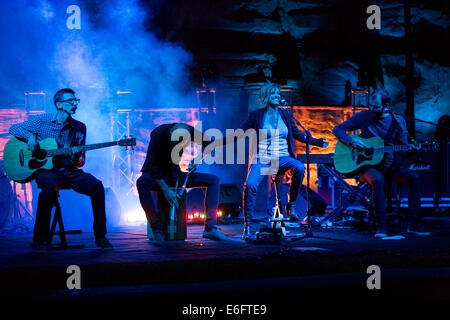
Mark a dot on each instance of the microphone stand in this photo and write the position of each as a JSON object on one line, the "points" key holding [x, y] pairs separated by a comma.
{"points": [[308, 231], [420, 120]]}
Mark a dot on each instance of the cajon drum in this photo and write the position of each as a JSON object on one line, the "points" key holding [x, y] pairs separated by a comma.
{"points": [[179, 224], [179, 227]]}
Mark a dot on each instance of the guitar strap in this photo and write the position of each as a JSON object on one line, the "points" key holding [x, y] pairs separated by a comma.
{"points": [[70, 137], [388, 136], [400, 159], [68, 142]]}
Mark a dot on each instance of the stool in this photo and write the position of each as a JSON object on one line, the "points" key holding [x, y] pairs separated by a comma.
{"points": [[277, 219], [57, 219]]}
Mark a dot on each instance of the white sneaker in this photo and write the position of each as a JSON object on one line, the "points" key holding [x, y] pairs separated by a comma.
{"points": [[215, 234]]}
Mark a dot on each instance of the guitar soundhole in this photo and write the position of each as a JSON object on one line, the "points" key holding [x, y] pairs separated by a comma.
{"points": [[363, 157], [40, 154], [39, 159], [36, 163]]}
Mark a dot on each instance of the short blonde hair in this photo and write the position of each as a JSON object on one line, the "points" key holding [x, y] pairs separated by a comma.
{"points": [[266, 91]]}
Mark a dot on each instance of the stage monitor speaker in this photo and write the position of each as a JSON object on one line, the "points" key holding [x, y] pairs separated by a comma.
{"points": [[230, 200], [433, 171], [230, 195]]}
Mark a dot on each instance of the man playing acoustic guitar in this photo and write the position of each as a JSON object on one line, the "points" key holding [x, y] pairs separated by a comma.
{"points": [[67, 132], [379, 122]]}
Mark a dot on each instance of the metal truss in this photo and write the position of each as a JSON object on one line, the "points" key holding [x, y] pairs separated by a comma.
{"points": [[124, 160]]}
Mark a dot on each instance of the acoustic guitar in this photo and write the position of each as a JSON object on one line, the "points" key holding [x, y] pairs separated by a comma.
{"points": [[348, 159], [21, 164]]}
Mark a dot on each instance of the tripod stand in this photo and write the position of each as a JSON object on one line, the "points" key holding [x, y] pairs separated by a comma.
{"points": [[18, 220], [18, 205]]}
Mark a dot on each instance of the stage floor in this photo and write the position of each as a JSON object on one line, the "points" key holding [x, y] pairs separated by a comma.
{"points": [[209, 269]]}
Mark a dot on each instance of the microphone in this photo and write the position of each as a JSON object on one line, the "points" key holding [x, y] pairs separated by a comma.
{"points": [[283, 103]]}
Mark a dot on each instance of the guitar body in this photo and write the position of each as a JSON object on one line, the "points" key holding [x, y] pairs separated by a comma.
{"points": [[348, 159], [20, 165]]}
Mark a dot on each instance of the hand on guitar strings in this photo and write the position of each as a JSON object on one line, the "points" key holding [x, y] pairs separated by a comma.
{"points": [[72, 151], [33, 144], [360, 145]]}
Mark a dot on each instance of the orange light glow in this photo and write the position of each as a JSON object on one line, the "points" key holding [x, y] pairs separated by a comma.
{"points": [[320, 121]]}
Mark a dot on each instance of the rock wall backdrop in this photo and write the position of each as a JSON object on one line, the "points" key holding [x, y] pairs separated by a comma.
{"points": [[320, 49]]}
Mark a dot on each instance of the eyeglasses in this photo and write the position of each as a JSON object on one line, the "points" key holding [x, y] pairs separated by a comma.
{"points": [[72, 101]]}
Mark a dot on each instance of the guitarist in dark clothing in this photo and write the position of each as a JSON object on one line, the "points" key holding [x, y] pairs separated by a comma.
{"points": [[67, 132], [377, 121]]}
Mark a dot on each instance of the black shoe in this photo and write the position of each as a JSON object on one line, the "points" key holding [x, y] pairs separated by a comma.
{"points": [[39, 246], [247, 233], [290, 211], [104, 243], [417, 229], [253, 238], [158, 238], [381, 232]]}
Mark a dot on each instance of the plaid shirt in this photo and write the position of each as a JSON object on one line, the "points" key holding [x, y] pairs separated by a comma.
{"points": [[45, 126]]}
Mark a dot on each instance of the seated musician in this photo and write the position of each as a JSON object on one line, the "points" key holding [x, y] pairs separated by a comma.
{"points": [[160, 172], [378, 121], [67, 132], [279, 146]]}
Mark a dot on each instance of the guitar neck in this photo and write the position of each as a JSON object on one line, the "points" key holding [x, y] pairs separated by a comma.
{"points": [[405, 147], [61, 151]]}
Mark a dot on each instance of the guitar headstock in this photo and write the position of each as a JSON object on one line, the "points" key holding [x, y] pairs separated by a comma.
{"points": [[429, 146], [128, 142]]}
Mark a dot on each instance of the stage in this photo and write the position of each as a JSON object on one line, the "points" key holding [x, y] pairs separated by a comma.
{"points": [[417, 267]]}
